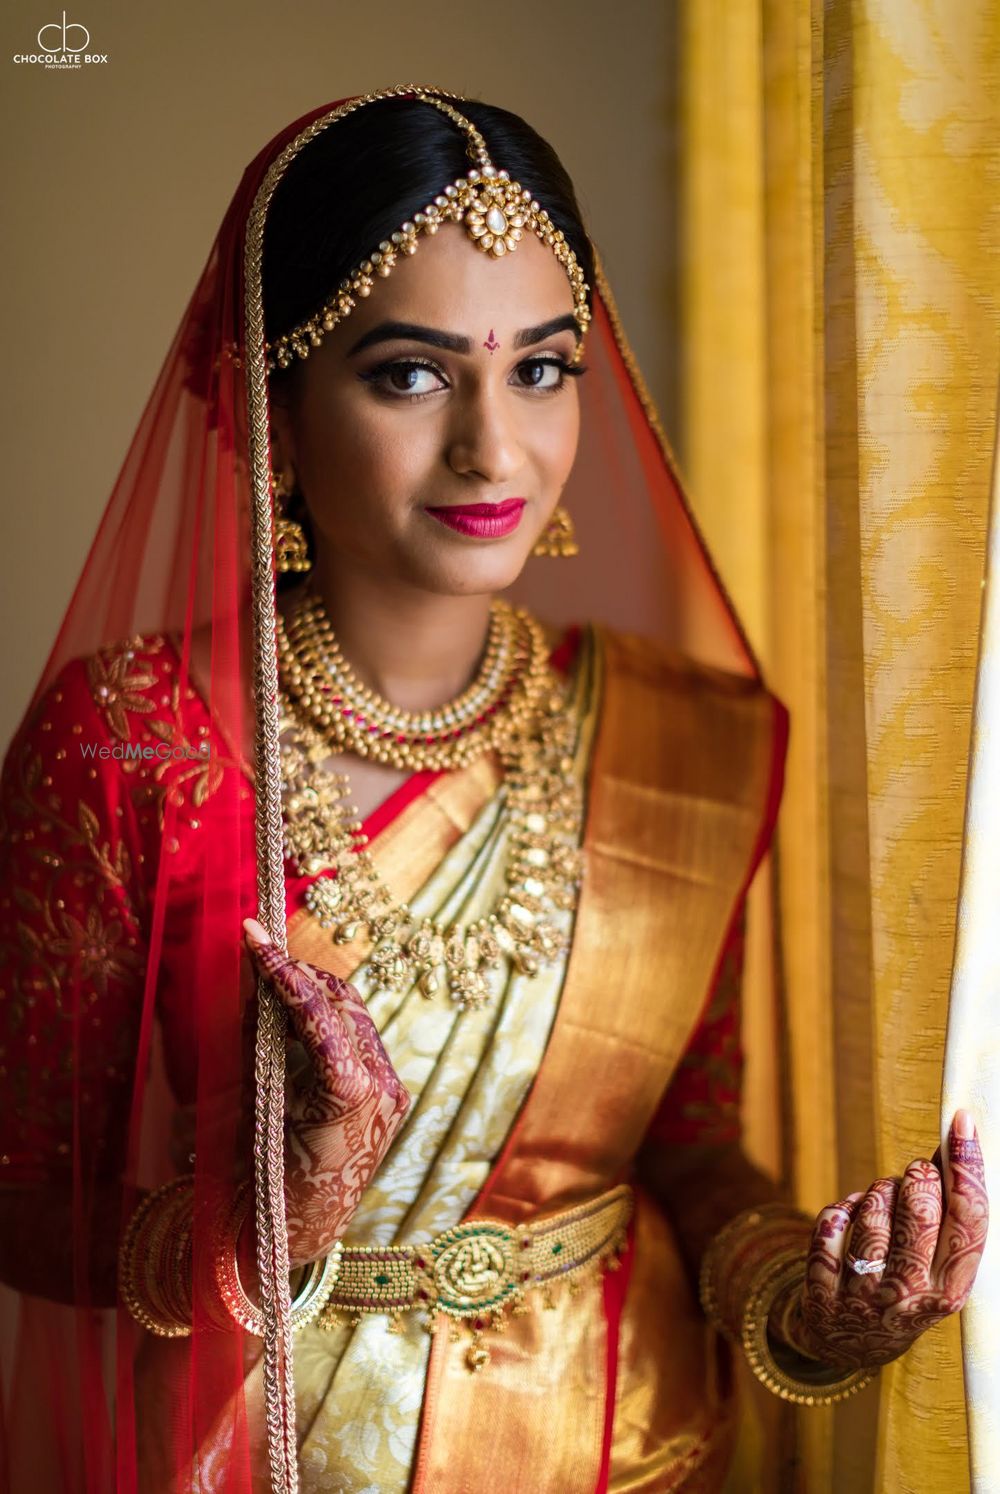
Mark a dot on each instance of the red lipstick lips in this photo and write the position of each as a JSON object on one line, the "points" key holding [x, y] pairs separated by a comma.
{"points": [[482, 520]]}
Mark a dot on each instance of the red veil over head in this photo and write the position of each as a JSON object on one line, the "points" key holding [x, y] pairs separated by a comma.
{"points": [[123, 1036]]}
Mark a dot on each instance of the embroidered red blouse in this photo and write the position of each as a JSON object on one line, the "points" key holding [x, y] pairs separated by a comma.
{"points": [[83, 797]]}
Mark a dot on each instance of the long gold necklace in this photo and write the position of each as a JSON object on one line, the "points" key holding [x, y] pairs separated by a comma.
{"points": [[542, 805], [508, 689]]}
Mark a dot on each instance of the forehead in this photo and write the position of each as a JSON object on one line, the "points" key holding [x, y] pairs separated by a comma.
{"points": [[452, 284]]}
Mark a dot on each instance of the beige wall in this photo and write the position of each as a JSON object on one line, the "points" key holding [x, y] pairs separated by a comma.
{"points": [[115, 179]]}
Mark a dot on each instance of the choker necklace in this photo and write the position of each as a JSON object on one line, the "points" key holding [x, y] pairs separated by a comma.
{"points": [[543, 810], [507, 693]]}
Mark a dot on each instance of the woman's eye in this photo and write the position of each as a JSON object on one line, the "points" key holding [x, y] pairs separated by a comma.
{"points": [[541, 373], [406, 378]]}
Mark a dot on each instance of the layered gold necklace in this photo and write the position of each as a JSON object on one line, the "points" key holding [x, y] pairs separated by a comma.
{"points": [[515, 707], [506, 695]]}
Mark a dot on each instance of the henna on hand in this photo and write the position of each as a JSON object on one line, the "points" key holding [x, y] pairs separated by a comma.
{"points": [[931, 1253], [343, 1118]]}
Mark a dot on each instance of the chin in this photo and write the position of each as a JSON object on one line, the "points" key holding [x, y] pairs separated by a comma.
{"points": [[478, 571]]}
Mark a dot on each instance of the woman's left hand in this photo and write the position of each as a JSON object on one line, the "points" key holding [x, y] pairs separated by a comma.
{"points": [[931, 1245]]}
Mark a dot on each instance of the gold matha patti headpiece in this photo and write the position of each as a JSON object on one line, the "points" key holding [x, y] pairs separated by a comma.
{"points": [[496, 212]]}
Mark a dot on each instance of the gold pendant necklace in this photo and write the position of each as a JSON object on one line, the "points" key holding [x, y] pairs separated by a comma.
{"points": [[543, 810]]}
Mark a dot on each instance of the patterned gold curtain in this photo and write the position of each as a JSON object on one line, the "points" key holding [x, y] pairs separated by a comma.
{"points": [[835, 294]]}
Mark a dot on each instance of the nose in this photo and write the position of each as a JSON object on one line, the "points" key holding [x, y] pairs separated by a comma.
{"points": [[483, 440]]}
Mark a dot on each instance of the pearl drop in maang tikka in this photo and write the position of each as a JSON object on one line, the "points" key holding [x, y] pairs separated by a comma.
{"points": [[496, 213]]}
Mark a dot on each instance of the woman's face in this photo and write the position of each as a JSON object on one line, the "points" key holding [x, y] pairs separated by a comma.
{"points": [[442, 390]]}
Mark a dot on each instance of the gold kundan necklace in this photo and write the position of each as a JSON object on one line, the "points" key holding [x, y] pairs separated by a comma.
{"points": [[516, 707]]}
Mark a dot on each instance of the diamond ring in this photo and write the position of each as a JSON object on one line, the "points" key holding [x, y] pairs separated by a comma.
{"points": [[863, 1267]]}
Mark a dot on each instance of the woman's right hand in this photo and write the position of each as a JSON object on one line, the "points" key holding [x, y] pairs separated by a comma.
{"points": [[343, 1116]]}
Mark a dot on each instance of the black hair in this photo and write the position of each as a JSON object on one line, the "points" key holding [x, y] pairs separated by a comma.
{"points": [[364, 175]]}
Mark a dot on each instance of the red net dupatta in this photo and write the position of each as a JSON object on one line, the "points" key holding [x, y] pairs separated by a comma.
{"points": [[132, 852]]}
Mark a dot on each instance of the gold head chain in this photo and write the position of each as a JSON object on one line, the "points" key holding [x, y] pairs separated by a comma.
{"points": [[496, 213]]}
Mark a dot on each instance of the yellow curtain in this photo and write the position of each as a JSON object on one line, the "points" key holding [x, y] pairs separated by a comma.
{"points": [[836, 290]]}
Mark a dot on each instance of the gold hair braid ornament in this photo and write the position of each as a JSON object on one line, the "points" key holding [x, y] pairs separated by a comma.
{"points": [[530, 727], [269, 1119], [496, 213]]}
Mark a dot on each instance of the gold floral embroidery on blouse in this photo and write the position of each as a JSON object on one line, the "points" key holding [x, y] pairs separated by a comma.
{"points": [[117, 683], [81, 904], [73, 914], [123, 681]]}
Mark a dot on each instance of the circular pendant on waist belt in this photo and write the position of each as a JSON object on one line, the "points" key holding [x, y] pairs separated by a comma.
{"points": [[474, 1269]]}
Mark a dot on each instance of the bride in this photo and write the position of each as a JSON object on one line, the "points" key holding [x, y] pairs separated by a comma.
{"points": [[375, 854]]}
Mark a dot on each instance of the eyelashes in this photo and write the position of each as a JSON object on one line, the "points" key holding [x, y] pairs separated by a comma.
{"points": [[380, 377]]}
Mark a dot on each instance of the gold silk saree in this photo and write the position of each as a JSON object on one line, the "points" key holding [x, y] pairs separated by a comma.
{"points": [[541, 1100]]}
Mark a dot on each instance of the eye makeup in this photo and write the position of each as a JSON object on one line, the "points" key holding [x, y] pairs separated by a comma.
{"points": [[380, 376]]}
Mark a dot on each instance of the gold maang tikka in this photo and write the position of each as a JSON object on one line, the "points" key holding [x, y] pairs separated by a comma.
{"points": [[496, 212]]}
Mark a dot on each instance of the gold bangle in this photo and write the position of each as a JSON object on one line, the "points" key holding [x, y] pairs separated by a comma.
{"points": [[735, 1255], [153, 1228], [313, 1294], [830, 1385]]}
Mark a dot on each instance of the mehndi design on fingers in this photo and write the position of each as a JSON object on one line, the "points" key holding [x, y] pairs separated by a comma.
{"points": [[364, 1034], [871, 1235], [341, 1080], [914, 1233], [964, 1228], [824, 1262], [921, 1285]]}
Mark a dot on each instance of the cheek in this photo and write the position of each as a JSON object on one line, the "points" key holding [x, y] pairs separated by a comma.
{"points": [[357, 452], [557, 440]]}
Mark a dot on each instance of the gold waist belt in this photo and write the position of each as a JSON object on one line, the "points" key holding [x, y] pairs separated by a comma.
{"points": [[479, 1271]]}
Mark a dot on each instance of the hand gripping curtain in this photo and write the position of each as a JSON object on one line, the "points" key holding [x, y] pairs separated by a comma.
{"points": [[134, 1045], [972, 1056]]}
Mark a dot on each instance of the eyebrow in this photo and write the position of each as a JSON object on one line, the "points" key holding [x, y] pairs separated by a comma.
{"points": [[453, 342]]}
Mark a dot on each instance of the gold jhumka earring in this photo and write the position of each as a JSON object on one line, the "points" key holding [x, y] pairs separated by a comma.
{"points": [[558, 538], [291, 552]]}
